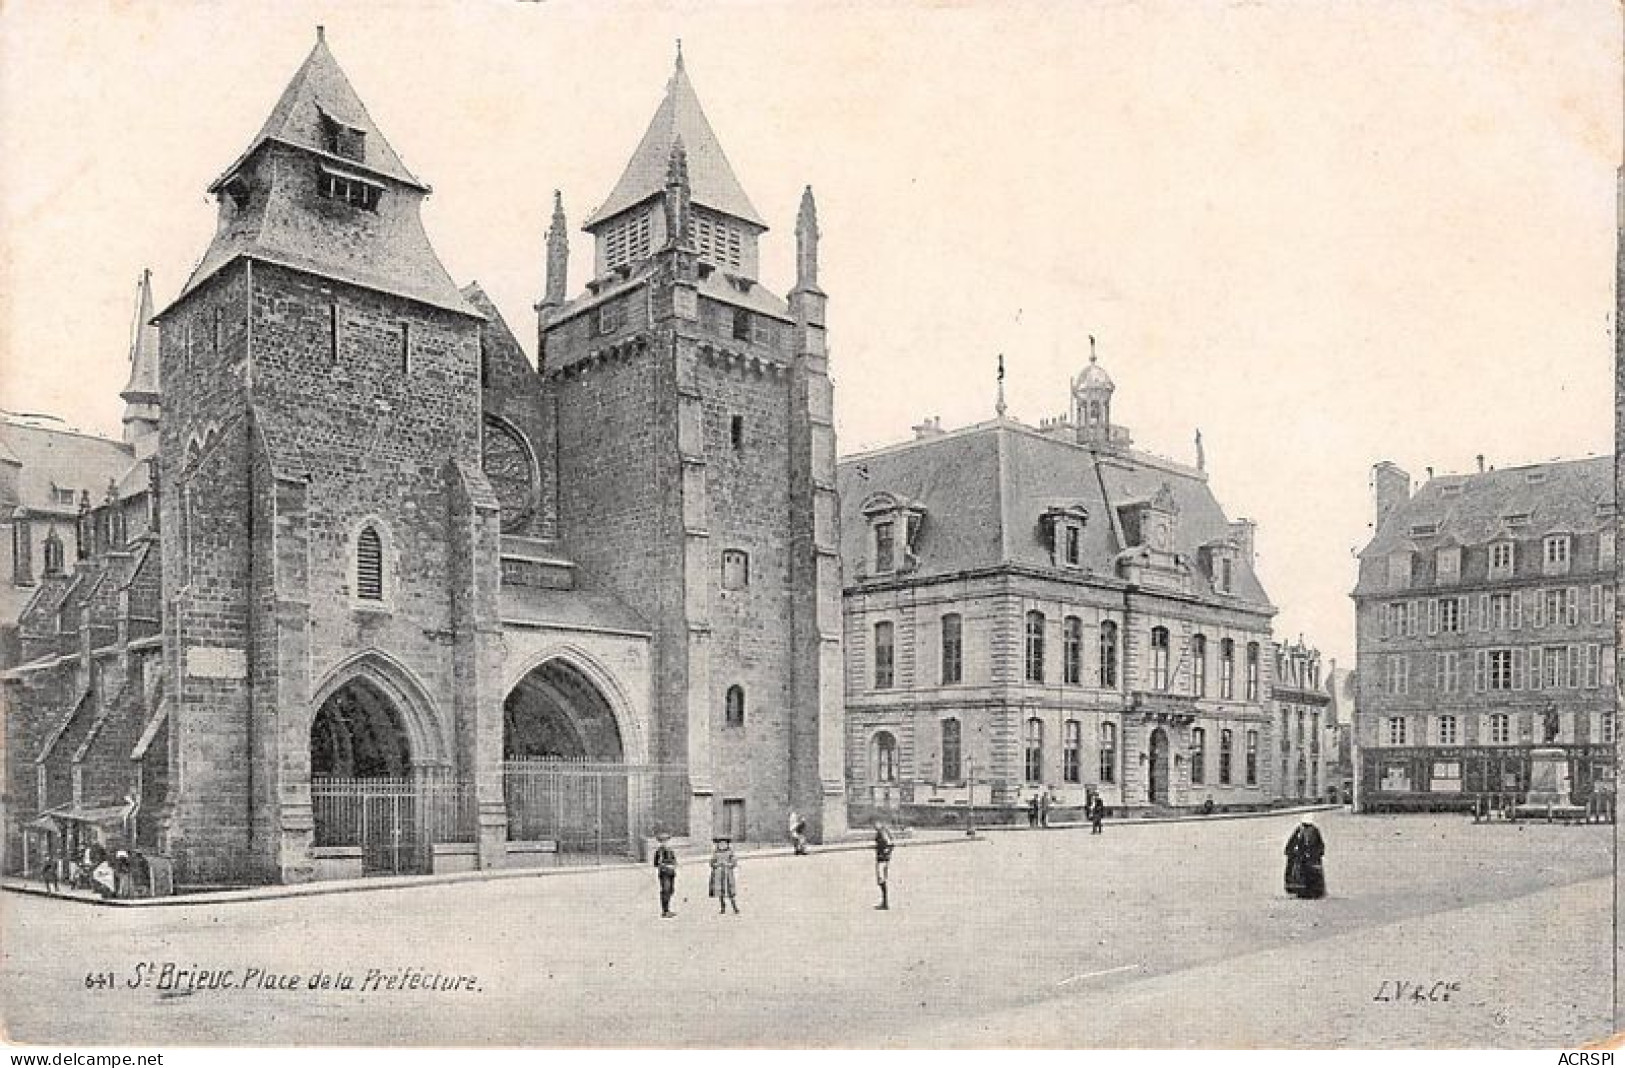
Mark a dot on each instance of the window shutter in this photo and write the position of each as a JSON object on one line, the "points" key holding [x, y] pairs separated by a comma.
{"points": [[1596, 604], [1481, 660], [1483, 611], [1535, 667], [1438, 671], [1517, 669], [1538, 607], [1573, 606], [1386, 613], [1517, 610], [1433, 616], [1574, 667]]}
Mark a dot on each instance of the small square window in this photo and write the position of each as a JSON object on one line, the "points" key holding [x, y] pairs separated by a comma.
{"points": [[736, 432]]}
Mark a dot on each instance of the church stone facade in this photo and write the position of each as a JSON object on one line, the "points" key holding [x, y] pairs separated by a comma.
{"points": [[398, 578]]}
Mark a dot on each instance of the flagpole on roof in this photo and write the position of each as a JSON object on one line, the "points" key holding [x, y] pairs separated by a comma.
{"points": [[999, 405]]}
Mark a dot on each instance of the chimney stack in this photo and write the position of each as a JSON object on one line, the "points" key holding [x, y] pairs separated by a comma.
{"points": [[1392, 486], [1481, 463]]}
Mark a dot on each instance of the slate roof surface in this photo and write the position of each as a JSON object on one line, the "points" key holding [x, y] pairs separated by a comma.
{"points": [[711, 179], [498, 336], [566, 608], [1564, 498], [392, 255], [984, 489], [64, 458], [320, 88]]}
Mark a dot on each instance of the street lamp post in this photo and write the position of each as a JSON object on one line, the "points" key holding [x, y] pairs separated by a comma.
{"points": [[970, 799]]}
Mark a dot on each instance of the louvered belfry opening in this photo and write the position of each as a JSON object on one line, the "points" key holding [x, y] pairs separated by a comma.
{"points": [[369, 565]]}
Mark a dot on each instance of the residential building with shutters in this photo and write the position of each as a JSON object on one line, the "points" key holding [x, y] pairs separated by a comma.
{"points": [[1485, 629], [1036, 609], [1305, 737]]}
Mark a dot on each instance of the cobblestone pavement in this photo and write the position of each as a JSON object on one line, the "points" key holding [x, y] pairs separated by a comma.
{"points": [[1165, 935]]}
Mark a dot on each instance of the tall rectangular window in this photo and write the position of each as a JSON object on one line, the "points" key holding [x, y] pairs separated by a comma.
{"points": [[1396, 730], [1072, 752], [1227, 669], [1199, 665], [1500, 728], [1072, 651], [1108, 753], [1501, 559], [1035, 750], [1252, 671], [406, 348], [1500, 669], [953, 665], [1198, 756], [1555, 557], [1035, 647], [1159, 659], [1447, 730], [1450, 615], [884, 652], [1226, 752], [333, 333], [952, 770], [1108, 655], [1252, 758]]}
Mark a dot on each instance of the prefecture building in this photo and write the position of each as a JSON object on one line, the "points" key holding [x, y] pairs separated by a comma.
{"points": [[401, 601], [1485, 629], [1049, 609]]}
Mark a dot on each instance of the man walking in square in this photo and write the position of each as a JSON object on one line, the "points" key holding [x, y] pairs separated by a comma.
{"points": [[666, 868], [883, 848]]}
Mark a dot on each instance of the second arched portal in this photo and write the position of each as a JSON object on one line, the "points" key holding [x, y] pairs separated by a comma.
{"points": [[565, 775]]}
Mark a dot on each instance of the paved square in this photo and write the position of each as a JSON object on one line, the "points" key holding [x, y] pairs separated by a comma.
{"points": [[1159, 935]]}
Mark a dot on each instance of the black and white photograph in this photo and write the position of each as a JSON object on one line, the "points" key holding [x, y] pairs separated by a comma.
{"points": [[936, 525]]}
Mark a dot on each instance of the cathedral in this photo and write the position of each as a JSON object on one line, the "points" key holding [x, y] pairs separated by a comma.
{"points": [[376, 595]]}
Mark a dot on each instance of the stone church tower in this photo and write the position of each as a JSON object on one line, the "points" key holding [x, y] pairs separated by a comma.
{"points": [[330, 547], [696, 474]]}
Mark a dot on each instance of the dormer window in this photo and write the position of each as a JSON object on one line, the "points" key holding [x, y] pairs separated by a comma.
{"points": [[1424, 530], [1501, 559], [1221, 565], [1449, 564], [342, 139], [1063, 528], [894, 524], [885, 547], [1555, 554], [1516, 519], [1399, 571]]}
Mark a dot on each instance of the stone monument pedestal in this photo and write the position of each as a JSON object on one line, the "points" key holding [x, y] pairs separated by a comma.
{"points": [[1549, 788]]}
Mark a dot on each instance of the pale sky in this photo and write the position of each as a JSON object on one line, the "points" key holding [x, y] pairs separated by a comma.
{"points": [[1324, 233]]}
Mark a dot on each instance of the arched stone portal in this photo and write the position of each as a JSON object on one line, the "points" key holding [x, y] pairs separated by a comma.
{"points": [[565, 774], [362, 794], [357, 734], [556, 713]]}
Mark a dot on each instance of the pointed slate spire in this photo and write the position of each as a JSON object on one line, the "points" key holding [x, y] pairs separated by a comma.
{"points": [[558, 256], [141, 396], [318, 99], [807, 242], [712, 180]]}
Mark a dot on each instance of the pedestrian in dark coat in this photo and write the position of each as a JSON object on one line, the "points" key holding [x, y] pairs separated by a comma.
{"points": [[798, 833], [1096, 809], [1032, 811], [666, 869], [1045, 800], [1305, 872], [883, 850], [723, 881]]}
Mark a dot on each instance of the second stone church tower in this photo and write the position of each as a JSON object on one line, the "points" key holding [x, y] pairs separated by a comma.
{"points": [[696, 474]]}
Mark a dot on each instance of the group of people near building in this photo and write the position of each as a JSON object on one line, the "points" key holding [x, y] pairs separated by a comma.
{"points": [[1040, 805], [724, 885], [106, 873]]}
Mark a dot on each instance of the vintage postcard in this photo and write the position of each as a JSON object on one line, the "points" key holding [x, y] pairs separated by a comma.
{"points": [[734, 525]]}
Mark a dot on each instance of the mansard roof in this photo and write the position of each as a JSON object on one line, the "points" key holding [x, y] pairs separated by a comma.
{"points": [[53, 458], [1557, 496], [985, 491], [711, 178]]}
